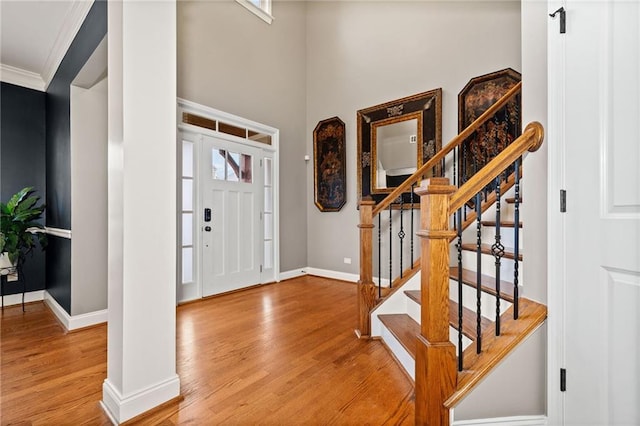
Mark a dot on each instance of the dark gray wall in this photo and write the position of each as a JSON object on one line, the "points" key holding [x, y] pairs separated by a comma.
{"points": [[22, 162], [58, 152]]}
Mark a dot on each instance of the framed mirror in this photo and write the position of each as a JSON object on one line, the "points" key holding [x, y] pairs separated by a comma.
{"points": [[395, 139]]}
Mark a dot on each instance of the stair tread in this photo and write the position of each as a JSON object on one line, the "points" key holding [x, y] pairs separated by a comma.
{"points": [[512, 200], [503, 223], [486, 249], [497, 348], [405, 330], [487, 283], [469, 317]]}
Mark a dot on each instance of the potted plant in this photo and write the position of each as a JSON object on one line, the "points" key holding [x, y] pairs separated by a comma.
{"points": [[18, 227]]}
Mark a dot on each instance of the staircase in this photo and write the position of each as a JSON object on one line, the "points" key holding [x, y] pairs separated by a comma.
{"points": [[449, 322]]}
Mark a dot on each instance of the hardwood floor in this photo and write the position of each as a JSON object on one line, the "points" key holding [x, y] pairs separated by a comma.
{"points": [[278, 354]]}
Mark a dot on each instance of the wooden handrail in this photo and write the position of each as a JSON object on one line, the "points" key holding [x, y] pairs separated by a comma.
{"points": [[530, 140], [440, 155]]}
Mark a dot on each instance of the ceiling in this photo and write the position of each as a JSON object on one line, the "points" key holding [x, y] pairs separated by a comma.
{"points": [[34, 36]]}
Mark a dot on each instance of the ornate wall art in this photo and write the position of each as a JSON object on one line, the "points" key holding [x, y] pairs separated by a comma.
{"points": [[394, 140], [497, 133], [329, 165]]}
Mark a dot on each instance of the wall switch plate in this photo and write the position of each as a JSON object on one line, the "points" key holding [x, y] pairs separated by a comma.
{"points": [[347, 260]]}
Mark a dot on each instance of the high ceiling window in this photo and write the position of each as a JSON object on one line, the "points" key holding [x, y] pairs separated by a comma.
{"points": [[261, 8]]}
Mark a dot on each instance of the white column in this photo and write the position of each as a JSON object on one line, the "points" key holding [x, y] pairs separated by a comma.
{"points": [[141, 361]]}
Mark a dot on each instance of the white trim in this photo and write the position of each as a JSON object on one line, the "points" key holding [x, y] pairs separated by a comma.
{"points": [[259, 12], [74, 322], [336, 275], [121, 408], [505, 421], [72, 22], [294, 273], [20, 77], [556, 231], [16, 299], [58, 232]]}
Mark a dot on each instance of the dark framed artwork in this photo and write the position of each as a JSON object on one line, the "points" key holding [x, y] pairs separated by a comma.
{"points": [[329, 165], [396, 138], [497, 133]]}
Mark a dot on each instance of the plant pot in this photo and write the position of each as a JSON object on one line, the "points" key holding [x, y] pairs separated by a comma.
{"points": [[6, 267]]}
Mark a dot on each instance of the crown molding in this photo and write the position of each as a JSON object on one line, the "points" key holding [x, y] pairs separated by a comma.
{"points": [[20, 77], [71, 25]]}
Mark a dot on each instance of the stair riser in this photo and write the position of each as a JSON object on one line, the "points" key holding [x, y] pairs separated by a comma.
{"points": [[413, 309], [453, 337], [507, 237], [488, 266], [404, 358], [488, 301]]}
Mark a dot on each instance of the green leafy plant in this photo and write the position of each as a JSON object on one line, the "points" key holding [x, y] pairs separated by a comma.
{"points": [[18, 226]]}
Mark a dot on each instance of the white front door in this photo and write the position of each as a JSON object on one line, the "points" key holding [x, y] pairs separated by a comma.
{"points": [[230, 226], [601, 279]]}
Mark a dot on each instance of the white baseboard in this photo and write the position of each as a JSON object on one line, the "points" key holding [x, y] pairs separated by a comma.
{"points": [[505, 421], [74, 322], [121, 408], [326, 273], [16, 299], [291, 274]]}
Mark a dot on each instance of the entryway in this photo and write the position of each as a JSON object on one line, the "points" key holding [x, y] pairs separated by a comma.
{"points": [[229, 203]]}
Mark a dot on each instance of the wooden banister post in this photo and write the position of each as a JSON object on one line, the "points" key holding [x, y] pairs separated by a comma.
{"points": [[436, 356], [366, 288]]}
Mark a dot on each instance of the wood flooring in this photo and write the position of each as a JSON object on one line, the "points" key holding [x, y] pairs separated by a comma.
{"points": [[280, 354]]}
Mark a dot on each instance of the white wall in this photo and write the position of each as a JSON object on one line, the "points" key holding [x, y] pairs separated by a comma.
{"points": [[534, 182], [361, 54], [231, 60], [89, 198]]}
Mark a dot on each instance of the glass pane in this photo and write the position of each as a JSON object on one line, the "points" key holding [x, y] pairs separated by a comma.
{"points": [[187, 229], [259, 137], [233, 166], [187, 159], [232, 130], [217, 164], [268, 226], [187, 194], [245, 168], [267, 172], [268, 201], [187, 265], [268, 255]]}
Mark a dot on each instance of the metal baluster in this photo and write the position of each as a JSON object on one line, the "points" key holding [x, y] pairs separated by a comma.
{"points": [[379, 254], [455, 171], [390, 246], [460, 306], [516, 238], [478, 272], [401, 233], [497, 249], [413, 186], [463, 171]]}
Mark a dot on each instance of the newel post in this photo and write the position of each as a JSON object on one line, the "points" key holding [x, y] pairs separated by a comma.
{"points": [[436, 356], [366, 288]]}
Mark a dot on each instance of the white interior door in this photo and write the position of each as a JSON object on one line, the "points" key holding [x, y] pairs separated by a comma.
{"points": [[230, 218], [602, 219]]}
